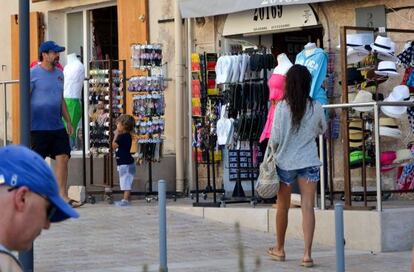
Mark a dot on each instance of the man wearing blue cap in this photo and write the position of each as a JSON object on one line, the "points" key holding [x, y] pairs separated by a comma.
{"points": [[49, 137], [29, 201]]}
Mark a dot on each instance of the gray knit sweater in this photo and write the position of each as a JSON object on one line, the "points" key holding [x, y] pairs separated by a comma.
{"points": [[297, 150]]}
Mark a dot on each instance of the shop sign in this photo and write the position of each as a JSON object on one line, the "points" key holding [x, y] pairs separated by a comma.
{"points": [[267, 19]]}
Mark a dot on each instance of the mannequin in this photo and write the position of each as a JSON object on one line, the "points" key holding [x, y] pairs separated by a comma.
{"points": [[276, 92], [316, 60], [310, 48], [74, 74], [283, 66]]}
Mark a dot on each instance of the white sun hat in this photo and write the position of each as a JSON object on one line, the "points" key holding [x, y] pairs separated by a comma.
{"points": [[363, 97], [357, 44], [385, 48], [400, 93], [387, 68]]}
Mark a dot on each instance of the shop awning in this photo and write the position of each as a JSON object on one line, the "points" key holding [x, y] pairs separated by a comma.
{"points": [[205, 8]]}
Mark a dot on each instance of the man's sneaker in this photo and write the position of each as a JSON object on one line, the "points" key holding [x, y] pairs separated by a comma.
{"points": [[123, 203]]}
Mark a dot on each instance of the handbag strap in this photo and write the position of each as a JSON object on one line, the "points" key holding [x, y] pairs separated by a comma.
{"points": [[269, 154]]}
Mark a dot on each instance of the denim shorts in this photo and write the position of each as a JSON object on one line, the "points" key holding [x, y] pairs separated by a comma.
{"points": [[311, 174]]}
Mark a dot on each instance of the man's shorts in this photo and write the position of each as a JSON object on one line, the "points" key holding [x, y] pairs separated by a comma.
{"points": [[126, 176], [288, 177], [50, 143]]}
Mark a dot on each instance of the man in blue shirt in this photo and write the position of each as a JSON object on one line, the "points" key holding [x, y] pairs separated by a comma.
{"points": [[49, 137]]}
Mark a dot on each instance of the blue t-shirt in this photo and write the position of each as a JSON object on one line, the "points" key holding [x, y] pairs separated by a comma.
{"points": [[123, 153], [46, 99]]}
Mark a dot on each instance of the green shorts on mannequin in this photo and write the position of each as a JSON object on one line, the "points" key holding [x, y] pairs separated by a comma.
{"points": [[75, 113]]}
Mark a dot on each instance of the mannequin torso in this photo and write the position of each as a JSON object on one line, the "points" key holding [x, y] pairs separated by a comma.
{"points": [[310, 48], [283, 64]]}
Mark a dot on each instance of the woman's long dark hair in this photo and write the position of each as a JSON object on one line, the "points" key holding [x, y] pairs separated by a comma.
{"points": [[297, 89]]}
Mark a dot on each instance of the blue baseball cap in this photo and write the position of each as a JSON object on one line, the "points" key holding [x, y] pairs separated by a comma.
{"points": [[47, 46], [20, 166]]}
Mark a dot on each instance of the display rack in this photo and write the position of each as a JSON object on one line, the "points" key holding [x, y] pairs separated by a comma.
{"points": [[107, 97], [206, 100], [147, 91], [348, 194]]}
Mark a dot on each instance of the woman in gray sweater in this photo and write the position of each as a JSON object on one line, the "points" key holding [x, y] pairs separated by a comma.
{"points": [[297, 123]]}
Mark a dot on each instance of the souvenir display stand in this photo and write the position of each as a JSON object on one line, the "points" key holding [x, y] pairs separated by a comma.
{"points": [[236, 95], [147, 94], [107, 97], [206, 100], [363, 131]]}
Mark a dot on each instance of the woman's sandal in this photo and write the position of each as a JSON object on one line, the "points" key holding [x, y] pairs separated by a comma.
{"points": [[278, 258], [308, 263]]}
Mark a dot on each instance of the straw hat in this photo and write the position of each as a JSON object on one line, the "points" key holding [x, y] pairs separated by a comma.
{"points": [[355, 139], [355, 126]]}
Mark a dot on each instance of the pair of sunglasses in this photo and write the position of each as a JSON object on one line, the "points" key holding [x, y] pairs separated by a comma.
{"points": [[51, 209]]}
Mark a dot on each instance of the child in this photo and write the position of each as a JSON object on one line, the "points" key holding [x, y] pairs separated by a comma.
{"points": [[122, 143]]}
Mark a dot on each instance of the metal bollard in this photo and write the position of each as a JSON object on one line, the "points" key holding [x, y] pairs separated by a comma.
{"points": [[162, 192], [339, 235]]}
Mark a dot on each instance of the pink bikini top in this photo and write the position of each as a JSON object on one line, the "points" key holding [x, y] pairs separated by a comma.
{"points": [[276, 87]]}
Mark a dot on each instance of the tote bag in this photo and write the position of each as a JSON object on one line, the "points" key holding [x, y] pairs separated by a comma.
{"points": [[267, 184]]}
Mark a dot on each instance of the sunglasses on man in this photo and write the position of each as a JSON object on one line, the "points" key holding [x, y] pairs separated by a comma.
{"points": [[51, 209]]}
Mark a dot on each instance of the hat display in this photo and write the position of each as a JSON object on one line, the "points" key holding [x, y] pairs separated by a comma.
{"points": [[385, 48], [387, 68], [356, 55], [400, 93], [20, 166], [363, 97], [403, 155]]}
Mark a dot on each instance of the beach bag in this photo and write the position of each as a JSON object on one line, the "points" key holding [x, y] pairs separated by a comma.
{"points": [[267, 184]]}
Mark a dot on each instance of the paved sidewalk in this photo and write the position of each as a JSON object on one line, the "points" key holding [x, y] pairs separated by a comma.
{"points": [[109, 238]]}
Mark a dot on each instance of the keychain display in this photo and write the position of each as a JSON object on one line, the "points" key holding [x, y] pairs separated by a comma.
{"points": [[106, 98], [145, 56]]}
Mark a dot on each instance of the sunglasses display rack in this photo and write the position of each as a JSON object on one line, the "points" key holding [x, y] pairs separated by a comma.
{"points": [[148, 106], [381, 62], [107, 96]]}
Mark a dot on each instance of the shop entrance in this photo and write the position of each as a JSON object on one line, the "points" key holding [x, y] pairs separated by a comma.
{"points": [[104, 33], [292, 43]]}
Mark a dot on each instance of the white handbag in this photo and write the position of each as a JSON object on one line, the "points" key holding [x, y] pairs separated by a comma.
{"points": [[267, 184]]}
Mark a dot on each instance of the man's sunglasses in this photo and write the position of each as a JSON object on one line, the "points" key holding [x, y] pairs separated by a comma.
{"points": [[51, 209]]}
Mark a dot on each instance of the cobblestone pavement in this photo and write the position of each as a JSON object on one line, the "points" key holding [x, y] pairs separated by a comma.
{"points": [[110, 238]]}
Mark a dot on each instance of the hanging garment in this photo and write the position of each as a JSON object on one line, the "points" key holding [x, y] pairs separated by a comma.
{"points": [[224, 69], [317, 64], [276, 93], [406, 58], [406, 179]]}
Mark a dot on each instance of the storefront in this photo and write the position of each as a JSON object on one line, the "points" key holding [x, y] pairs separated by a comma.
{"points": [[254, 29]]}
